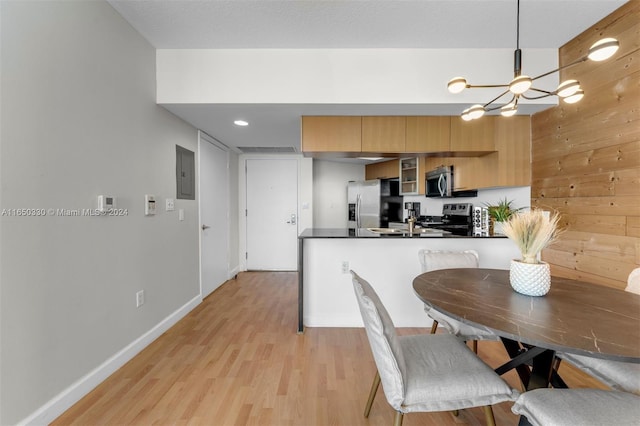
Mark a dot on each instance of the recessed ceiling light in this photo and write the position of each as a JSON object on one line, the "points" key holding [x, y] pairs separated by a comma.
{"points": [[241, 123]]}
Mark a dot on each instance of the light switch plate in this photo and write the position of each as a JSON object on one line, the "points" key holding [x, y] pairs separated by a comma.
{"points": [[149, 205]]}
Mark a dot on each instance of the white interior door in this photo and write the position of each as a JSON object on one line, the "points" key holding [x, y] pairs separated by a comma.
{"points": [[214, 215], [272, 214]]}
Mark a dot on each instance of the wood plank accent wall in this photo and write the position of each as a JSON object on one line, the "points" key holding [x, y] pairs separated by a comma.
{"points": [[586, 158]]}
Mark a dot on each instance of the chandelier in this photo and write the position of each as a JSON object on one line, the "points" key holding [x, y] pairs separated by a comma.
{"points": [[522, 85]]}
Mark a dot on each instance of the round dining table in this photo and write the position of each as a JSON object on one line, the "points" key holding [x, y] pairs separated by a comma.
{"points": [[573, 317]]}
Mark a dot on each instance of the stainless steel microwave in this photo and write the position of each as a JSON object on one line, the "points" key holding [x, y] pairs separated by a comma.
{"points": [[439, 182]]}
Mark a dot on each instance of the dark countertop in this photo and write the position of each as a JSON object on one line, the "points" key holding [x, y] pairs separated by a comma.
{"points": [[365, 233]]}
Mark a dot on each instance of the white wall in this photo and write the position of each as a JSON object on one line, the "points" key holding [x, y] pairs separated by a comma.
{"points": [[330, 180], [521, 196], [79, 118], [342, 76]]}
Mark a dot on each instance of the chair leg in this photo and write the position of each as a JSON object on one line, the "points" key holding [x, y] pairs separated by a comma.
{"points": [[398, 420], [488, 415], [474, 344], [556, 363], [372, 394], [434, 327]]}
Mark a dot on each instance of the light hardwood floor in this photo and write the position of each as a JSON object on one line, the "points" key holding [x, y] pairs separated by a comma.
{"points": [[237, 360]]}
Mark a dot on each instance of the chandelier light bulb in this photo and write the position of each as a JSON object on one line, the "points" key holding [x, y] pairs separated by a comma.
{"points": [[476, 111], [465, 115], [457, 84], [575, 97], [603, 49], [509, 110], [520, 84], [568, 88]]}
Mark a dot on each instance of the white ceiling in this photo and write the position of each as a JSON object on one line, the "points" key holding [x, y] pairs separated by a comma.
{"points": [[239, 24]]}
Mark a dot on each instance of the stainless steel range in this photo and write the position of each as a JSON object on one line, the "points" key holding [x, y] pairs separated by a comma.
{"points": [[456, 218]]}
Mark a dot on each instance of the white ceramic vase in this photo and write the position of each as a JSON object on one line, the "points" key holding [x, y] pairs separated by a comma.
{"points": [[497, 228], [531, 279]]}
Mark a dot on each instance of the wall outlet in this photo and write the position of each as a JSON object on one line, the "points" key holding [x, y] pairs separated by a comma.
{"points": [[139, 298], [169, 204], [345, 266]]}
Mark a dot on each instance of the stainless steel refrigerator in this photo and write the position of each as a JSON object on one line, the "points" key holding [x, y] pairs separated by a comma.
{"points": [[374, 203]]}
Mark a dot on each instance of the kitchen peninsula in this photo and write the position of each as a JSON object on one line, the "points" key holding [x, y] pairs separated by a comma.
{"points": [[388, 261]]}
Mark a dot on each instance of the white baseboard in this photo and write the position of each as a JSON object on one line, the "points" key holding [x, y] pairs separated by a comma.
{"points": [[235, 271], [65, 399]]}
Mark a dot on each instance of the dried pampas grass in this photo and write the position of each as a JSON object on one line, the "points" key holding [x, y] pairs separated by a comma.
{"points": [[532, 231]]}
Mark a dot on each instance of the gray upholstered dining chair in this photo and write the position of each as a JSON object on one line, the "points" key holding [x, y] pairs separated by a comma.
{"points": [[432, 260], [618, 375], [425, 372], [584, 407]]}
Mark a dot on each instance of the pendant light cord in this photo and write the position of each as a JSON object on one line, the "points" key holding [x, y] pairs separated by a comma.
{"points": [[517, 55], [518, 27]]}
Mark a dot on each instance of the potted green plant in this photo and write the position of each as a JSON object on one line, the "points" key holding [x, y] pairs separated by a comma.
{"points": [[532, 231], [500, 213]]}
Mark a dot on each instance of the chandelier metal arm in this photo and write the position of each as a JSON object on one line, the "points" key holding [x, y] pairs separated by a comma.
{"points": [[530, 98], [485, 86], [495, 99], [542, 91], [583, 59]]}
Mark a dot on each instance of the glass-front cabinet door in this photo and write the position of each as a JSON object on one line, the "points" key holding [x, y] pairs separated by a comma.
{"points": [[409, 176]]}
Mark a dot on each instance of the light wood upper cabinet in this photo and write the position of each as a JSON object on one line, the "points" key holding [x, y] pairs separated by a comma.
{"points": [[383, 134], [489, 152], [510, 165], [474, 135], [331, 134], [382, 170], [472, 173], [428, 134], [513, 143]]}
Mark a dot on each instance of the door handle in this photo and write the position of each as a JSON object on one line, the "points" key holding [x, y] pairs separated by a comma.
{"points": [[358, 211], [442, 185], [293, 219], [204, 227]]}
